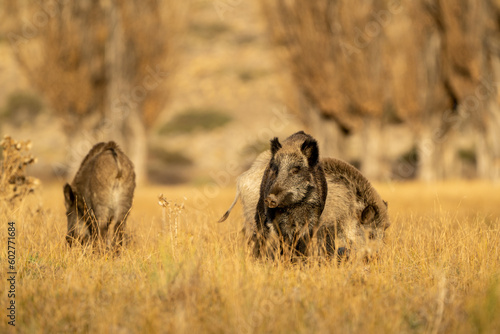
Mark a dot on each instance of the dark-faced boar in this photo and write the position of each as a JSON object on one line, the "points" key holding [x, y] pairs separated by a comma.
{"points": [[354, 215], [100, 196], [292, 196]]}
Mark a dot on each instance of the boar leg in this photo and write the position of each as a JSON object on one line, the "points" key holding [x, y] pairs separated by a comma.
{"points": [[103, 231], [119, 232], [329, 243]]}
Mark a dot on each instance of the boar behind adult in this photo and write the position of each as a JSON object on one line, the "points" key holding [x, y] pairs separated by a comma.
{"points": [[247, 190], [100, 195], [292, 195], [355, 215]]}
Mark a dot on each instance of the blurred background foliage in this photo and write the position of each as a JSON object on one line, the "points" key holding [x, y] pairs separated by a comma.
{"points": [[194, 120], [401, 89]]}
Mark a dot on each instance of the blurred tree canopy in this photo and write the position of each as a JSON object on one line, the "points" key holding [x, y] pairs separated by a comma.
{"points": [[102, 65], [361, 65]]}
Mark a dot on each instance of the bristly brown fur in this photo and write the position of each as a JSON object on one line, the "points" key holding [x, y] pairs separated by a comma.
{"points": [[100, 195], [339, 171]]}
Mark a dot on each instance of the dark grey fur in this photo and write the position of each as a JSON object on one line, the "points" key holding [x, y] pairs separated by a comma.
{"points": [[292, 195], [100, 195]]}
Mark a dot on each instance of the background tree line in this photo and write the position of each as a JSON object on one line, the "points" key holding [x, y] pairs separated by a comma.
{"points": [[362, 65], [358, 67]]}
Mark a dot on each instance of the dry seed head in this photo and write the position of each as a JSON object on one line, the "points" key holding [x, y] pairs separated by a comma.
{"points": [[162, 201], [6, 139]]}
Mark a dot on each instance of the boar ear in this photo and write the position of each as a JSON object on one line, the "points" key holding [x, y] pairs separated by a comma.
{"points": [[275, 145], [310, 149], [368, 214], [69, 195]]}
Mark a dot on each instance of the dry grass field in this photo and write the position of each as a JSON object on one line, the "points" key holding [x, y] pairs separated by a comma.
{"points": [[182, 272]]}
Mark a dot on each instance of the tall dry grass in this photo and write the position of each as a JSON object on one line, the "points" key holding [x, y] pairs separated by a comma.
{"points": [[438, 273]]}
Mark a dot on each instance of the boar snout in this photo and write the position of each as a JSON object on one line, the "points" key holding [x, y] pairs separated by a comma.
{"points": [[280, 199], [271, 201]]}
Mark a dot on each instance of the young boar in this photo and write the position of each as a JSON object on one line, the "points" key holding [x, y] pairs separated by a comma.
{"points": [[292, 196], [247, 190], [100, 196]]}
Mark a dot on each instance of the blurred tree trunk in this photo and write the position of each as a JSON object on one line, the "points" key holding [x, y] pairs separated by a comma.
{"points": [[488, 145], [429, 151], [127, 128], [488, 94], [472, 50], [484, 162], [373, 163]]}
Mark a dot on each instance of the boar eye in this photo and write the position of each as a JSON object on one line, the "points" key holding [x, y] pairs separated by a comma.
{"points": [[274, 169], [295, 170]]}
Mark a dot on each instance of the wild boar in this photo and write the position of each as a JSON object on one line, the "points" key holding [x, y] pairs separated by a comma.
{"points": [[247, 190], [100, 195], [354, 215], [293, 192]]}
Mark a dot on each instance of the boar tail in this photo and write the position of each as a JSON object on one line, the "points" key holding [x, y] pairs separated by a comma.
{"points": [[112, 147], [231, 207]]}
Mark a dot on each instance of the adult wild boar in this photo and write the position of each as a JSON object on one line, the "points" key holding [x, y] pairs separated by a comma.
{"points": [[354, 215], [100, 196], [292, 194], [283, 195]]}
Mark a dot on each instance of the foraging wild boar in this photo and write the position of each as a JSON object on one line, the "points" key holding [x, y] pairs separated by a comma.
{"points": [[354, 215], [100, 196]]}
